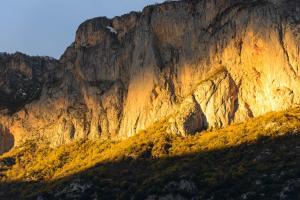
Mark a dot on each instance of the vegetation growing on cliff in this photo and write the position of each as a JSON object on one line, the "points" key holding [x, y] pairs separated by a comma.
{"points": [[258, 159]]}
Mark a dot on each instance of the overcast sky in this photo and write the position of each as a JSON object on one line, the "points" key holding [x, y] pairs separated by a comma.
{"points": [[47, 27]]}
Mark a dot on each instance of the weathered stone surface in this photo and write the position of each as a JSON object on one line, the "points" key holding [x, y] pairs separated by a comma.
{"points": [[213, 62], [188, 119], [217, 96]]}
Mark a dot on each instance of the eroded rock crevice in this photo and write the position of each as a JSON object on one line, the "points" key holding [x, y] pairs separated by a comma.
{"points": [[201, 64]]}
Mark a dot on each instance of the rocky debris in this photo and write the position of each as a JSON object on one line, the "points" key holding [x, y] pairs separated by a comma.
{"points": [[189, 118], [75, 190], [182, 186], [237, 58], [177, 190], [40, 198], [166, 197], [248, 195], [288, 189]]}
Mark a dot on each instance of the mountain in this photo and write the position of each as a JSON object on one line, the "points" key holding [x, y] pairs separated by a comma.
{"points": [[207, 91], [201, 64]]}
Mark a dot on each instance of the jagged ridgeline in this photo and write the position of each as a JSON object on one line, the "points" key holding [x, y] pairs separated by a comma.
{"points": [[193, 64], [173, 102]]}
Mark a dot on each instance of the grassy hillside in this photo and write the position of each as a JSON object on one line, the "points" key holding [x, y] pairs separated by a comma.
{"points": [[258, 159]]}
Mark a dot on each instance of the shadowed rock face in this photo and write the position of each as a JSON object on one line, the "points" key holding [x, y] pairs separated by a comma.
{"points": [[22, 78], [198, 64], [6, 140]]}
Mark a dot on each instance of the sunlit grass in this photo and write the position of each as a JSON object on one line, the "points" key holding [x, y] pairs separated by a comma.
{"points": [[40, 162]]}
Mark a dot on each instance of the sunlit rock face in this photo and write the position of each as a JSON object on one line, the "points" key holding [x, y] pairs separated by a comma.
{"points": [[198, 64]]}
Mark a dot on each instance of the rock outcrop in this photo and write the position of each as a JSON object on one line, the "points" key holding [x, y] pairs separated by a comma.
{"points": [[199, 64]]}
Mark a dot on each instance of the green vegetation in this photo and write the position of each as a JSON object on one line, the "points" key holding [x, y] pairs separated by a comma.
{"points": [[258, 159]]}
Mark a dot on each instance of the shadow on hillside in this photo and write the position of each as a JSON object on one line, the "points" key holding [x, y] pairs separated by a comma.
{"points": [[7, 139], [267, 169]]}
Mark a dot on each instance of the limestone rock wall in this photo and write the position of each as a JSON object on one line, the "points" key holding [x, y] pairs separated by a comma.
{"points": [[201, 64]]}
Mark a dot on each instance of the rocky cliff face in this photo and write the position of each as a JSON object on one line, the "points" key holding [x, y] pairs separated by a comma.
{"points": [[196, 64]]}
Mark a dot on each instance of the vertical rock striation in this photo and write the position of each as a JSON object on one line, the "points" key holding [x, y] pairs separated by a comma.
{"points": [[199, 64]]}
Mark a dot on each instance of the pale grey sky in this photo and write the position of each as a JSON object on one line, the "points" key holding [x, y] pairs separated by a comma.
{"points": [[47, 27]]}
